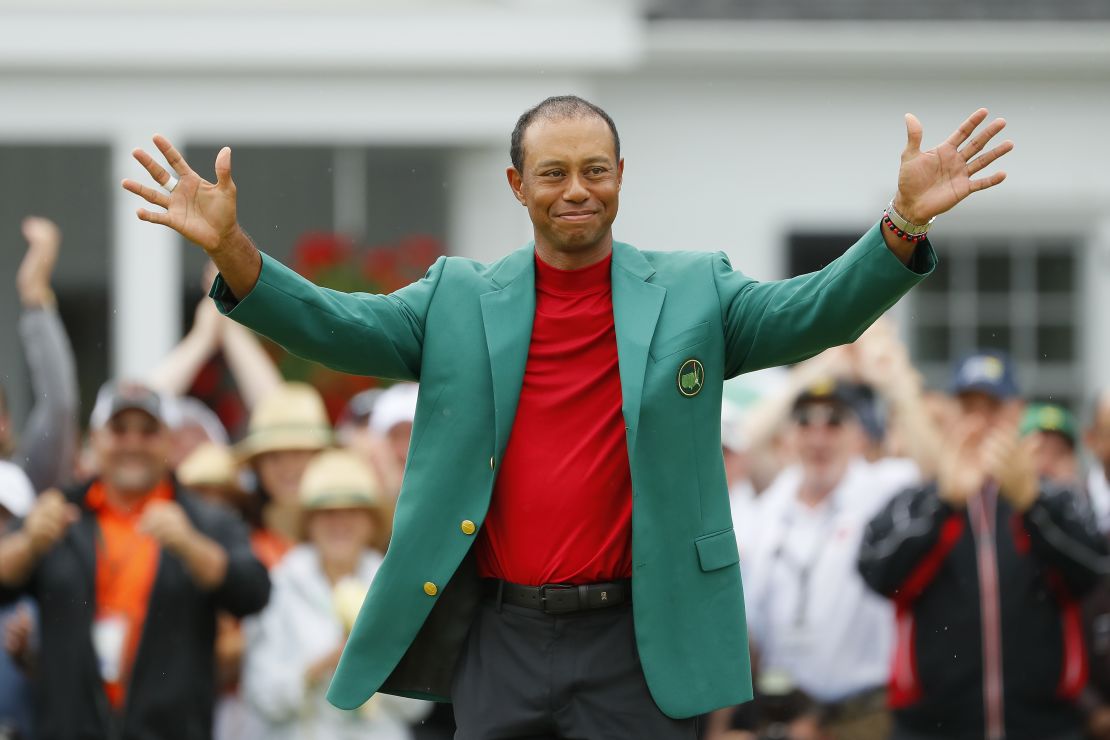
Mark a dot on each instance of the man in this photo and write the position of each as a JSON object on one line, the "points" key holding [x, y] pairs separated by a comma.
{"points": [[16, 499], [812, 617], [561, 388], [48, 445], [985, 568], [1097, 438], [129, 572], [1054, 436]]}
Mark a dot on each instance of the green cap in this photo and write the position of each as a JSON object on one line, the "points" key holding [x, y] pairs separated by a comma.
{"points": [[1048, 417]]}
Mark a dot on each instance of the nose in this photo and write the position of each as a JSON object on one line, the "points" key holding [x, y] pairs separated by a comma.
{"points": [[576, 191]]}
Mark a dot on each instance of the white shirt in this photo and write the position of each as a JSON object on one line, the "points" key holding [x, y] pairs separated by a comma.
{"points": [[809, 611], [1098, 493], [16, 493], [298, 627]]}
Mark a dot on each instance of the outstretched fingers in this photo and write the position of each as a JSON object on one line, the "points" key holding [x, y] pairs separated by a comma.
{"points": [[983, 160], [986, 182], [154, 217], [967, 128], [173, 157], [983, 138], [157, 171], [150, 195]]}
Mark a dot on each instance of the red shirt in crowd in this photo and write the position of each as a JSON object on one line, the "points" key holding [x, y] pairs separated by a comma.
{"points": [[562, 504]]}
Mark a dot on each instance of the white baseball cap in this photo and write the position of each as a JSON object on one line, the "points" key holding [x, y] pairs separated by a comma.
{"points": [[395, 406], [16, 493]]}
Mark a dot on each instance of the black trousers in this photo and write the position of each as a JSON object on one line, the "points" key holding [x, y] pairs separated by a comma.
{"points": [[526, 675]]}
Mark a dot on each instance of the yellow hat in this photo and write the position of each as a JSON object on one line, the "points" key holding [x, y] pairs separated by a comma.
{"points": [[209, 464], [339, 479], [293, 417]]}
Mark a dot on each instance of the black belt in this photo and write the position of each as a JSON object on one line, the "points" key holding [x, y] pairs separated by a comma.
{"points": [[560, 598]]}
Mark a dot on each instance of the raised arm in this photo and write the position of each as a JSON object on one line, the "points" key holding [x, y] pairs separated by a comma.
{"points": [[357, 333], [775, 323], [48, 444]]}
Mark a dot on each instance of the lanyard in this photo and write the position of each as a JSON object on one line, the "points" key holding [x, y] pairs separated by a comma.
{"points": [[803, 570]]}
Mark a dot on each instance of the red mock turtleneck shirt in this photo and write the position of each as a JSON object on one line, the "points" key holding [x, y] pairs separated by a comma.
{"points": [[562, 505]]}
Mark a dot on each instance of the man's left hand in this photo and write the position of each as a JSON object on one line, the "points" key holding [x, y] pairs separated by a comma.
{"points": [[1009, 460], [933, 181]]}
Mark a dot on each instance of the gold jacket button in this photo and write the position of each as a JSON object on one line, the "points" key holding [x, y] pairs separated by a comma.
{"points": [[467, 527], [492, 463], [430, 589]]}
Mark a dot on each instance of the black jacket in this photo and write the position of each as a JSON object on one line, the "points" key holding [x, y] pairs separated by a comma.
{"points": [[171, 693], [988, 621]]}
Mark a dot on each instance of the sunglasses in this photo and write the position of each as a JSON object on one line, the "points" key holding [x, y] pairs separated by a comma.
{"points": [[120, 429]]}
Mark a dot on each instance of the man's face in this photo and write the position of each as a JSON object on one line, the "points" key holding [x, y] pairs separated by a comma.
{"points": [[1055, 458], [570, 183], [986, 412], [826, 435], [132, 451]]}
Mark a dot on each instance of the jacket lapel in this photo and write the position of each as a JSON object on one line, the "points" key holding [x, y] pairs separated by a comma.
{"points": [[636, 307], [507, 314]]}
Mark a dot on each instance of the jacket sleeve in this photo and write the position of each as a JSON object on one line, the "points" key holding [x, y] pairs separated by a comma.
{"points": [[905, 543], [49, 441], [357, 333], [1063, 533], [786, 321], [246, 586]]}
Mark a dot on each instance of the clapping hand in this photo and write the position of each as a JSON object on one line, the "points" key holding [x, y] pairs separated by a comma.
{"points": [[933, 181]]}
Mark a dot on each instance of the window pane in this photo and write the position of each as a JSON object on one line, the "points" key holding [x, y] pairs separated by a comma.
{"points": [[993, 337], [932, 343], [1055, 343], [992, 273], [1055, 273]]}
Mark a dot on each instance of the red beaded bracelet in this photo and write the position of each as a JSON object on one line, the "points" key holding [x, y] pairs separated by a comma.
{"points": [[900, 233]]}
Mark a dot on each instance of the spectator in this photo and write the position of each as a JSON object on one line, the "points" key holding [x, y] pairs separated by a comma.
{"points": [[984, 567], [1097, 437], [812, 618], [48, 446], [16, 500], [1054, 438], [129, 571], [287, 429], [294, 645]]}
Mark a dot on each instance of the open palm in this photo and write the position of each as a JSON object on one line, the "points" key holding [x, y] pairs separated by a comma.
{"points": [[202, 212], [933, 181]]}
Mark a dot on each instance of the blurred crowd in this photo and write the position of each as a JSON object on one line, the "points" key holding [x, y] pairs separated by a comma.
{"points": [[917, 563]]}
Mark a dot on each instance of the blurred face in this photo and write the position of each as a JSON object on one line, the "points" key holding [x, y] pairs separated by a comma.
{"points": [[399, 436], [340, 535], [1098, 434], [280, 473], [570, 184], [1055, 458], [987, 412], [132, 452], [826, 436]]}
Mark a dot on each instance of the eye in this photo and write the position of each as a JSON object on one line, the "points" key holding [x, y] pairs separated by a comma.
{"points": [[597, 170], [553, 173]]}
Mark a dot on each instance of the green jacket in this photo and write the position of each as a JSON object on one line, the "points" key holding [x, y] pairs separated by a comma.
{"points": [[463, 332]]}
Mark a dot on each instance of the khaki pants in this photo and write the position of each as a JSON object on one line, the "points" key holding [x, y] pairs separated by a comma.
{"points": [[874, 725]]}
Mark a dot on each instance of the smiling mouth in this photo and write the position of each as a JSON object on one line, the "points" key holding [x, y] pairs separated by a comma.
{"points": [[575, 216]]}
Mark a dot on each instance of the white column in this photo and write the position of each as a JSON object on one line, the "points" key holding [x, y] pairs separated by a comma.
{"points": [[485, 221], [146, 271], [1096, 300]]}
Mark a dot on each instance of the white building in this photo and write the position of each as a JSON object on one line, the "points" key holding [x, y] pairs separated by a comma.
{"points": [[775, 140]]}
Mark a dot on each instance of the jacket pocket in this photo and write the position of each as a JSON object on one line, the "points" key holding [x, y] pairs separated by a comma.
{"points": [[717, 550], [684, 339]]}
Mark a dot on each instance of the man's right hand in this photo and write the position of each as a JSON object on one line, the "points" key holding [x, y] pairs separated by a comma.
{"points": [[198, 210], [202, 212], [48, 521]]}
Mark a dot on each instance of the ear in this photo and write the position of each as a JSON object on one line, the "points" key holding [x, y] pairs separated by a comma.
{"points": [[516, 183], [620, 173]]}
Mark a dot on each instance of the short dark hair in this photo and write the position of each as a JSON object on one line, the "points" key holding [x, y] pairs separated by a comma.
{"points": [[557, 107]]}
